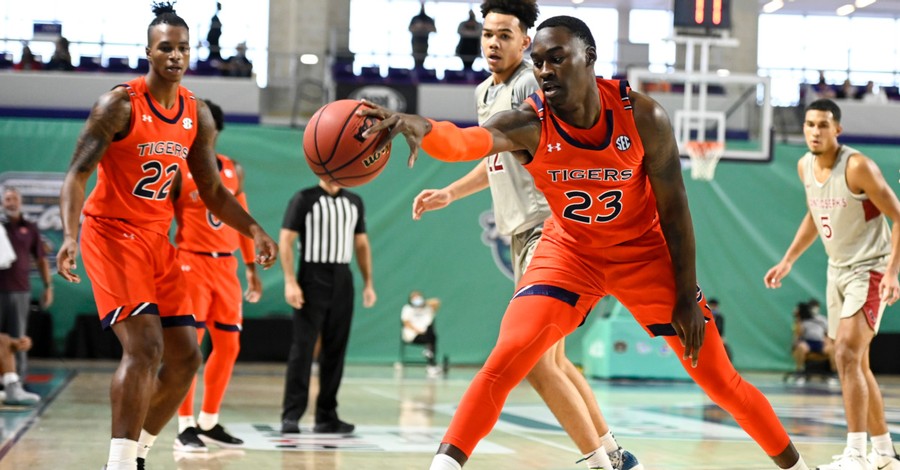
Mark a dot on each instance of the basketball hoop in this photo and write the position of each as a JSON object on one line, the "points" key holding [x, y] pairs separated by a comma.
{"points": [[704, 157]]}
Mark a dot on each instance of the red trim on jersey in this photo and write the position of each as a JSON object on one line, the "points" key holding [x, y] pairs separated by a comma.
{"points": [[870, 210]]}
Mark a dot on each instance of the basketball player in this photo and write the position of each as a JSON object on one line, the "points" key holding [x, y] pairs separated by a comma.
{"points": [[849, 203], [520, 210], [606, 159], [140, 134], [206, 254]]}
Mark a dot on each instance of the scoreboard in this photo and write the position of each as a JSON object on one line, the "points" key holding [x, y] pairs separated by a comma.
{"points": [[709, 15]]}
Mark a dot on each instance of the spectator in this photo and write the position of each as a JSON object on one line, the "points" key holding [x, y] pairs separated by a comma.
{"points": [[418, 326], [846, 92], [821, 89], [870, 94], [212, 37], [29, 60], [238, 65], [15, 283], [61, 58], [421, 26], [469, 47], [810, 336]]}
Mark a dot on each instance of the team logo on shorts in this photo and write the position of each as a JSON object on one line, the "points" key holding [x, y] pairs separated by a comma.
{"points": [[188, 123], [623, 142]]}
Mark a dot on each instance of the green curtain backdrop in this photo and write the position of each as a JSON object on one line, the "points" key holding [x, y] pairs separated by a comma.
{"points": [[744, 220]]}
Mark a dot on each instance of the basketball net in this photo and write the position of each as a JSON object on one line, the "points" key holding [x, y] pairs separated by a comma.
{"points": [[704, 158]]}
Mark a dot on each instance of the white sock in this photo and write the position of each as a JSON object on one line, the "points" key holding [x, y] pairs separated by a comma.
{"points": [[800, 465], [207, 421], [10, 378], [609, 442], [444, 462], [185, 422], [145, 442], [122, 454], [883, 444], [598, 459], [857, 440]]}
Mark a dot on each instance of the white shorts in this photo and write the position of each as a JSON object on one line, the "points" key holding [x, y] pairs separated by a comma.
{"points": [[853, 289], [522, 247]]}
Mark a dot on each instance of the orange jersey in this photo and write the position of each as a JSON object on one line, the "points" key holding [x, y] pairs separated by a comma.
{"points": [[594, 179], [136, 172], [199, 230]]}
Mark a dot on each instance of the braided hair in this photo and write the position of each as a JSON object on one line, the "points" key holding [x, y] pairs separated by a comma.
{"points": [[525, 10], [165, 14]]}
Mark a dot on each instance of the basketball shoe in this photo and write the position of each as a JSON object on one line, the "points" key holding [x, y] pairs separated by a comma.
{"points": [[219, 436], [189, 441], [879, 461], [16, 395], [621, 459], [851, 459]]}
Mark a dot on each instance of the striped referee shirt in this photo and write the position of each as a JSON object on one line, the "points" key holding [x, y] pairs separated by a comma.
{"points": [[326, 224]]}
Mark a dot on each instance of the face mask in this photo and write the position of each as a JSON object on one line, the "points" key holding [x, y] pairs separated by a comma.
{"points": [[417, 301]]}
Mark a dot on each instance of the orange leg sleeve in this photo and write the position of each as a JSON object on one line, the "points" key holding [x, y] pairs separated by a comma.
{"points": [[530, 326], [746, 404], [187, 406], [226, 346]]}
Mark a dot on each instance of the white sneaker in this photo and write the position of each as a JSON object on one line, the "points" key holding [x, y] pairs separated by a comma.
{"points": [[434, 372], [17, 395], [851, 459], [879, 461]]}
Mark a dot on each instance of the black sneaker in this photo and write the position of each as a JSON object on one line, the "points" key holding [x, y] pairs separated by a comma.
{"points": [[188, 441], [334, 427], [290, 427], [217, 435]]}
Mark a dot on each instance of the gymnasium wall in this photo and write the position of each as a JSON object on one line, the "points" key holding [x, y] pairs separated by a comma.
{"points": [[744, 220]]}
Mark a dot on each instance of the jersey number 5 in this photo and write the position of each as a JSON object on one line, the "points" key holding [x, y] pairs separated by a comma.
{"points": [[154, 171], [582, 202]]}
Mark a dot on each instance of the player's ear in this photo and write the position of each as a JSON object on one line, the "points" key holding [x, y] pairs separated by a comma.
{"points": [[147, 51], [526, 42], [591, 53]]}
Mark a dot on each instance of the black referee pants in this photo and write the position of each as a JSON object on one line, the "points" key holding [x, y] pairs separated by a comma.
{"points": [[327, 310]]}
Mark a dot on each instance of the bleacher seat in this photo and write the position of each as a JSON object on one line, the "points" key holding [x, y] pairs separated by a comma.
{"points": [[143, 65], [118, 65], [398, 75], [6, 61], [456, 76], [426, 76], [892, 92], [88, 64], [343, 71], [370, 73], [205, 67]]}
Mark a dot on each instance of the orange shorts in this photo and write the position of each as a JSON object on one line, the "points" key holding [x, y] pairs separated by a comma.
{"points": [[638, 274], [214, 289], [133, 271]]}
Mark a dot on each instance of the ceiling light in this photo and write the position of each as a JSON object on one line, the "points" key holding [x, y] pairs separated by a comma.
{"points": [[309, 59], [578, 2], [845, 10], [864, 3], [773, 6]]}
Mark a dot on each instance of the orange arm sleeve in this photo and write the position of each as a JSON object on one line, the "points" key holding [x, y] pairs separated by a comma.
{"points": [[449, 143], [248, 252]]}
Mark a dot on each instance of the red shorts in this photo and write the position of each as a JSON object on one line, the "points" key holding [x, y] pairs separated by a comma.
{"points": [[214, 289], [133, 271], [637, 273]]}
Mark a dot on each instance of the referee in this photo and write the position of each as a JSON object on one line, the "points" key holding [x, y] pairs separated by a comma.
{"points": [[330, 224]]}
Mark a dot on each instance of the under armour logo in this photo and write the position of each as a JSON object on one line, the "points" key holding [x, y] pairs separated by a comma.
{"points": [[623, 142], [147, 118], [551, 147]]}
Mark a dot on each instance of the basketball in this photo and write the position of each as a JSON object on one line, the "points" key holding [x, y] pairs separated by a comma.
{"points": [[335, 149]]}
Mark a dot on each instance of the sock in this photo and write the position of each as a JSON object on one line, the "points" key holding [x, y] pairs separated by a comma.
{"points": [[598, 459], [10, 378], [122, 454], [883, 444], [207, 421], [185, 422], [609, 442], [145, 442], [857, 440], [444, 462], [800, 465]]}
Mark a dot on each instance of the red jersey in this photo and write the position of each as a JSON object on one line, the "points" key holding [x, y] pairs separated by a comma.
{"points": [[136, 172], [198, 229], [594, 179]]}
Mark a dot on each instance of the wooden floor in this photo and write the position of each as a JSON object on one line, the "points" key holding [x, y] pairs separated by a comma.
{"points": [[401, 417]]}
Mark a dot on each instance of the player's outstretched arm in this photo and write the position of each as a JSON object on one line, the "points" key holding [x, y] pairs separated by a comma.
{"points": [[434, 199], [663, 166], [110, 116], [202, 164]]}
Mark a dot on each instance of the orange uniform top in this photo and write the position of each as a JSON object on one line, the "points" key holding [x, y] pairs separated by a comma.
{"points": [[198, 229], [136, 172], [594, 179]]}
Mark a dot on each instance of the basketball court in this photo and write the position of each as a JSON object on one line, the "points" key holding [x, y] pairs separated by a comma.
{"points": [[401, 418]]}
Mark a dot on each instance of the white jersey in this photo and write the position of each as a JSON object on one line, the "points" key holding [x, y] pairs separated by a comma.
{"points": [[420, 318], [518, 205], [852, 229]]}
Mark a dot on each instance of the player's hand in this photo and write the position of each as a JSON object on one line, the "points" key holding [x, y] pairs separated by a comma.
{"points": [[774, 276], [412, 127], [21, 344], [369, 296], [690, 326], [293, 294], [430, 200], [266, 248], [65, 260], [889, 289], [254, 287], [47, 297]]}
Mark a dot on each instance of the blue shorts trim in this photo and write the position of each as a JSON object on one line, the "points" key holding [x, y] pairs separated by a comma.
{"points": [[226, 327], [547, 290], [178, 320], [119, 314]]}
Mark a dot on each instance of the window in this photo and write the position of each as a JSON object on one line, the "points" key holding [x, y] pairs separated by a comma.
{"points": [[653, 27]]}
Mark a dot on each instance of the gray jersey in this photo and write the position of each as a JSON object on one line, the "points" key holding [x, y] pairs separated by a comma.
{"points": [[852, 229], [518, 205]]}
